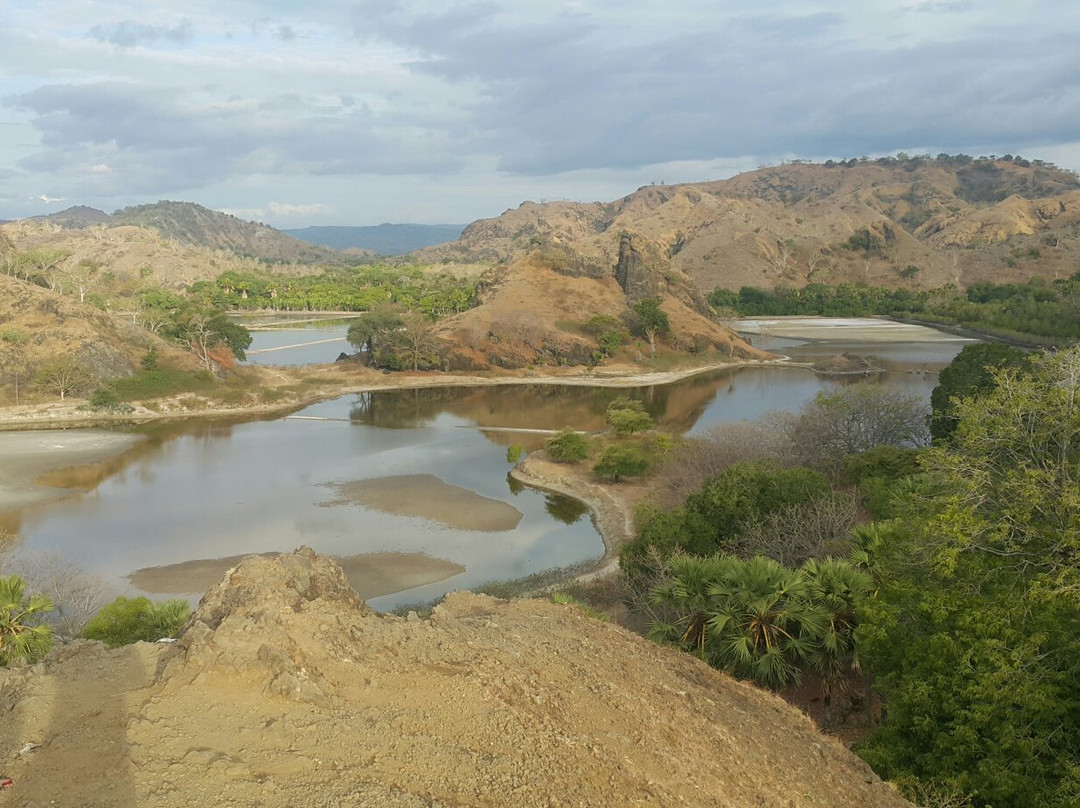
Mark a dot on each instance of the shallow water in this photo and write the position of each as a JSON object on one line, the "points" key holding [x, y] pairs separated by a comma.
{"points": [[210, 490]]}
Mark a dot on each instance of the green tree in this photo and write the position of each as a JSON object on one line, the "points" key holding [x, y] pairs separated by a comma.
{"points": [[22, 634], [974, 638], [970, 372], [839, 589], [371, 331], [567, 446], [627, 416], [751, 618], [617, 462], [650, 321]]}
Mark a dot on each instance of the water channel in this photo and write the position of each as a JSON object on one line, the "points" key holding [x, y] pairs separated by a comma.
{"points": [[199, 491]]}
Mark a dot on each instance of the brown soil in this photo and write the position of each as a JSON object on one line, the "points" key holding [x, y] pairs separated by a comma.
{"points": [[285, 690], [428, 497]]}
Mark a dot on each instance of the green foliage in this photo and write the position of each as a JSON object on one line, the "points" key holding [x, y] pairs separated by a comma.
{"points": [[125, 621], [713, 515], [13, 336], [609, 332], [760, 620], [1034, 311], [974, 638], [569, 600], [160, 383], [149, 360], [22, 634], [567, 446], [627, 416], [970, 373], [354, 289], [620, 461], [514, 452], [648, 319], [876, 472]]}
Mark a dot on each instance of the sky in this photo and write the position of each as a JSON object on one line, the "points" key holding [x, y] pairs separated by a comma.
{"points": [[359, 112]]}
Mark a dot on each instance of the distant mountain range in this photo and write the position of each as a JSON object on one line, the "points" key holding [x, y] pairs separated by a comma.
{"points": [[195, 226], [384, 239]]}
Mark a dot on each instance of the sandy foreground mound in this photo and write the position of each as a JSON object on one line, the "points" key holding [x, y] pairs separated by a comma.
{"points": [[286, 690]]}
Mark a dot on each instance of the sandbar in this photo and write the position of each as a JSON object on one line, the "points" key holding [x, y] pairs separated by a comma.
{"points": [[370, 574], [25, 456], [428, 497]]}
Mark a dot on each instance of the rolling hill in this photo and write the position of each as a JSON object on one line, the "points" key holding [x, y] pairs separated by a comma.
{"points": [[904, 221]]}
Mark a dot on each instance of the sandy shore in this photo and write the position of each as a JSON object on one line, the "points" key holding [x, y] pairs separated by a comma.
{"points": [[370, 574], [25, 456], [611, 506], [428, 497]]}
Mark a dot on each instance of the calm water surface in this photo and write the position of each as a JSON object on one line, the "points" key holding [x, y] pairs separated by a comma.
{"points": [[209, 490]]}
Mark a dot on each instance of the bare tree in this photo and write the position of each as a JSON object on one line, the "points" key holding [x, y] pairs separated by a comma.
{"points": [[852, 419], [799, 532], [62, 376], [698, 459], [85, 276], [417, 341], [77, 595]]}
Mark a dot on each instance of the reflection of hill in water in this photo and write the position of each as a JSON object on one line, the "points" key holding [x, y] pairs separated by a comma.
{"points": [[675, 407]]}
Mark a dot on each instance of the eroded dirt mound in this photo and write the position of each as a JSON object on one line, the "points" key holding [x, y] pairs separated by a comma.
{"points": [[286, 691]]}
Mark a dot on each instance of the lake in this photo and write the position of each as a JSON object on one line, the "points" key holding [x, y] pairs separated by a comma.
{"points": [[199, 491]]}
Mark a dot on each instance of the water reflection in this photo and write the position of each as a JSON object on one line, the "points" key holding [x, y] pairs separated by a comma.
{"points": [[210, 489]]}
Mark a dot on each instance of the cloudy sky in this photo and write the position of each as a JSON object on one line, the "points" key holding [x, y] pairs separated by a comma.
{"points": [[365, 111]]}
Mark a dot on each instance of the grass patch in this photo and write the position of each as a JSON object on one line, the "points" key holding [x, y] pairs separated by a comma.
{"points": [[159, 383]]}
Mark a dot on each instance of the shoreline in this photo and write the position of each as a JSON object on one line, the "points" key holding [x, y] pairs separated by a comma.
{"points": [[66, 415]]}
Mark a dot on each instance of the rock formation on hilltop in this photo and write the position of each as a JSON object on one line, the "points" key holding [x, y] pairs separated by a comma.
{"points": [[954, 219], [285, 690]]}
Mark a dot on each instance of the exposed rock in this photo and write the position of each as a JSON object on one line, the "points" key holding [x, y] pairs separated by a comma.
{"points": [[285, 690]]}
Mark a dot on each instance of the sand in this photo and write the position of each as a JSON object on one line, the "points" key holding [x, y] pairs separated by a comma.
{"points": [[428, 497], [842, 329], [370, 574], [25, 456]]}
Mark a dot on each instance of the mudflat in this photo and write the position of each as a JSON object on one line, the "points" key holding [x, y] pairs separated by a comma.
{"points": [[25, 456], [428, 497], [370, 574]]}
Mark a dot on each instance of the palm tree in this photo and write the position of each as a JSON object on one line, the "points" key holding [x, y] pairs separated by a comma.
{"points": [[837, 588], [21, 637], [750, 618]]}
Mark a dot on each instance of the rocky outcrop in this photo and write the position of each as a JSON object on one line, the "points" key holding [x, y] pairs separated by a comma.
{"points": [[285, 690]]}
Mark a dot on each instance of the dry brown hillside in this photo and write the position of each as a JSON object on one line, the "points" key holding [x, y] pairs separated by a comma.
{"points": [[124, 257], [285, 690], [38, 326], [955, 219], [536, 309]]}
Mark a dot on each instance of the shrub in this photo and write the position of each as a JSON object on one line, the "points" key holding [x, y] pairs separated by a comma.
{"points": [[127, 620], [568, 446], [514, 452], [627, 416], [22, 634], [621, 461]]}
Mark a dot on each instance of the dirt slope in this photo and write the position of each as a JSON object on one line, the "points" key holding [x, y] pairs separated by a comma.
{"points": [[46, 325], [956, 219], [285, 690]]}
